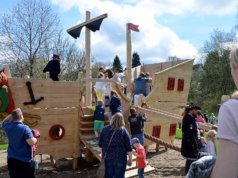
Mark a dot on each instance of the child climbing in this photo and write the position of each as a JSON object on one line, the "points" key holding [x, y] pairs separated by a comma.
{"points": [[98, 118], [115, 104]]}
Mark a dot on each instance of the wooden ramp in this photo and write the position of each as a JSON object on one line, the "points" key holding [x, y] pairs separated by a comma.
{"points": [[92, 144]]}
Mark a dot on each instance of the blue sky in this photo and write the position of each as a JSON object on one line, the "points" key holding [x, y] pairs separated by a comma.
{"points": [[167, 27]]}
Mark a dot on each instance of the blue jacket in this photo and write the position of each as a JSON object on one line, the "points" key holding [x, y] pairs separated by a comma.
{"points": [[99, 113], [201, 168]]}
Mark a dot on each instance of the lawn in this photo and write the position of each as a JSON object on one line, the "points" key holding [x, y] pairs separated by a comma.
{"points": [[178, 133], [3, 146]]}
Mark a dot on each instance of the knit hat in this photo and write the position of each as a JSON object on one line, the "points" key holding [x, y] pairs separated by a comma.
{"points": [[134, 140], [16, 114]]}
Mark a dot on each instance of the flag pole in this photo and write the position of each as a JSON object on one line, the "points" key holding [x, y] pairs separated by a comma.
{"points": [[128, 51]]}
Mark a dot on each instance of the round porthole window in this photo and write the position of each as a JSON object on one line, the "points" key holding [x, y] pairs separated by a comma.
{"points": [[57, 132]]}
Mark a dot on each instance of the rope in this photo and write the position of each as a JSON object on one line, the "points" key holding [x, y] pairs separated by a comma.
{"points": [[161, 142]]}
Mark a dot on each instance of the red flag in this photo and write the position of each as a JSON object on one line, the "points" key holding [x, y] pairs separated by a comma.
{"points": [[133, 27]]}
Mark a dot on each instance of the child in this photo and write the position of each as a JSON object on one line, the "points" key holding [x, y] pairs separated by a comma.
{"points": [[203, 145], [136, 122], [210, 138], [98, 118], [115, 104], [100, 87], [140, 156]]}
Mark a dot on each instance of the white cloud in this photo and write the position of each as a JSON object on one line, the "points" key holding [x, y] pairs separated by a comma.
{"points": [[154, 42]]}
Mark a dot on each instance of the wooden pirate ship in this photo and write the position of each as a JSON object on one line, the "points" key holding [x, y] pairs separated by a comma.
{"points": [[57, 110]]}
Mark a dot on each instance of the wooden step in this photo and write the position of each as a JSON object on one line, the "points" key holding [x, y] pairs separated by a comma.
{"points": [[134, 172], [85, 131], [89, 124], [87, 118], [86, 124], [87, 110]]}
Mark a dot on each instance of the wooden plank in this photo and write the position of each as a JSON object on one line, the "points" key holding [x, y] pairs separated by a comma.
{"points": [[40, 82], [51, 111], [47, 141], [65, 150], [134, 172], [87, 22], [47, 104], [93, 150]]}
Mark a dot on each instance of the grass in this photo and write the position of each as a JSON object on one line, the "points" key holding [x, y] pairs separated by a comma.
{"points": [[3, 146], [178, 133]]}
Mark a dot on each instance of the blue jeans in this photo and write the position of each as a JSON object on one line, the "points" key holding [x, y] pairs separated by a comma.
{"points": [[115, 169], [141, 172], [140, 137]]}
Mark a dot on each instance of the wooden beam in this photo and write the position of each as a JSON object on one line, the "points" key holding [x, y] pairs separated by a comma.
{"points": [[128, 57], [88, 98], [87, 22], [98, 80]]}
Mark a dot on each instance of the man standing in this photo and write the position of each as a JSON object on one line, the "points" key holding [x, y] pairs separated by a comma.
{"points": [[190, 140], [136, 122], [140, 86], [53, 67], [20, 139]]}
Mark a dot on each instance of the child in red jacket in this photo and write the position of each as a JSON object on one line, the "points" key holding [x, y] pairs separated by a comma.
{"points": [[140, 156]]}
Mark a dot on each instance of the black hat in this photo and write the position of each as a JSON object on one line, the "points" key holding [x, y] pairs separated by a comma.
{"points": [[193, 106], [55, 56]]}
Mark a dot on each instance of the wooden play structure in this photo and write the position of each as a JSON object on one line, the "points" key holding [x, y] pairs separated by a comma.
{"points": [[58, 111]]}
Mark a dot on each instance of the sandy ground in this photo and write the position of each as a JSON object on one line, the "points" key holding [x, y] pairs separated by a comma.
{"points": [[168, 164]]}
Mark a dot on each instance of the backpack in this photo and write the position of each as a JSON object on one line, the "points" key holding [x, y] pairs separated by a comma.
{"points": [[36, 134]]}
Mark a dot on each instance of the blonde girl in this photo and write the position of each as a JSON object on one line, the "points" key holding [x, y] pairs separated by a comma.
{"points": [[210, 138]]}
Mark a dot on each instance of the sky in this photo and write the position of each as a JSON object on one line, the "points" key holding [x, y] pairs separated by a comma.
{"points": [[167, 27]]}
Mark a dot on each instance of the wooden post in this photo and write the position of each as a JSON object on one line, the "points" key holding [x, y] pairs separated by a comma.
{"points": [[88, 98], [88, 62], [128, 57]]}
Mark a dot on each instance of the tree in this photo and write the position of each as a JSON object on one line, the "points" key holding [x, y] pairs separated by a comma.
{"points": [[212, 78], [135, 60], [26, 29], [116, 66], [217, 79], [95, 68]]}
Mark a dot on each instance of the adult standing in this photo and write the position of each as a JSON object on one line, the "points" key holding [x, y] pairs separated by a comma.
{"points": [[140, 86], [118, 149], [20, 139], [53, 67], [200, 119], [212, 119], [189, 148], [227, 157], [108, 73], [137, 125], [100, 87]]}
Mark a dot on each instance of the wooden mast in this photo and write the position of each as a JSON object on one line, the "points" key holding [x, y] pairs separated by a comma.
{"points": [[128, 57], [88, 98]]}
